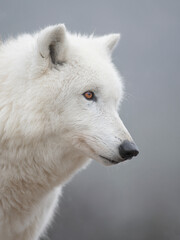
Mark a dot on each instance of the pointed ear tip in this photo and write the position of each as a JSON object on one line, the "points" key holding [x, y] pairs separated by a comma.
{"points": [[61, 27], [116, 36]]}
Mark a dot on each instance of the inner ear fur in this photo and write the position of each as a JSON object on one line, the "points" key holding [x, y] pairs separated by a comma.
{"points": [[52, 43]]}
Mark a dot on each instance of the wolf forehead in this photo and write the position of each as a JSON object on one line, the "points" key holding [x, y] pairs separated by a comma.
{"points": [[97, 75]]}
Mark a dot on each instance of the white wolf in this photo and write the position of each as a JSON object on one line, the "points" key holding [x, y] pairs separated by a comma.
{"points": [[59, 98]]}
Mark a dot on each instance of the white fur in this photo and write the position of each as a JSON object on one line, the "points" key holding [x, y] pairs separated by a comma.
{"points": [[48, 130]]}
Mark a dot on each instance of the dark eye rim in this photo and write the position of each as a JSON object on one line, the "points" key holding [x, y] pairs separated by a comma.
{"points": [[93, 98]]}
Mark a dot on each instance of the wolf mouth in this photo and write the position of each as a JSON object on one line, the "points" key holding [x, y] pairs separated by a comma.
{"points": [[110, 160]]}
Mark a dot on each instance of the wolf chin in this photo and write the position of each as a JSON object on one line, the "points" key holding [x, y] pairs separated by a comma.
{"points": [[59, 100]]}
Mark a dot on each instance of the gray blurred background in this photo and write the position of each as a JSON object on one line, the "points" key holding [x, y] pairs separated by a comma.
{"points": [[138, 199]]}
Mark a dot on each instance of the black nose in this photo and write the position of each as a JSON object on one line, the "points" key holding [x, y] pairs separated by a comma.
{"points": [[127, 150]]}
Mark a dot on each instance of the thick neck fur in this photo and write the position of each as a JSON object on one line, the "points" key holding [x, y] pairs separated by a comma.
{"points": [[28, 172]]}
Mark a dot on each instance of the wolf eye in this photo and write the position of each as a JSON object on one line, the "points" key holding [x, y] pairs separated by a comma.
{"points": [[89, 95]]}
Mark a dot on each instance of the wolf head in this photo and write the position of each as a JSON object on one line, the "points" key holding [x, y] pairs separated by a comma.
{"points": [[82, 91]]}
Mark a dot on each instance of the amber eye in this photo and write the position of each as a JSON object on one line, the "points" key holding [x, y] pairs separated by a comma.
{"points": [[89, 95]]}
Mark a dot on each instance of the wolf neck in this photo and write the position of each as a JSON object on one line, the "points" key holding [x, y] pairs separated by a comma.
{"points": [[33, 171]]}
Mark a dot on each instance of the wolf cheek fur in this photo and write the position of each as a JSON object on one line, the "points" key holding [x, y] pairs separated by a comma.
{"points": [[48, 129]]}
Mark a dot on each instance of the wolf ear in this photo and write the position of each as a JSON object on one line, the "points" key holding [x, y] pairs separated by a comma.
{"points": [[110, 41], [51, 43]]}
